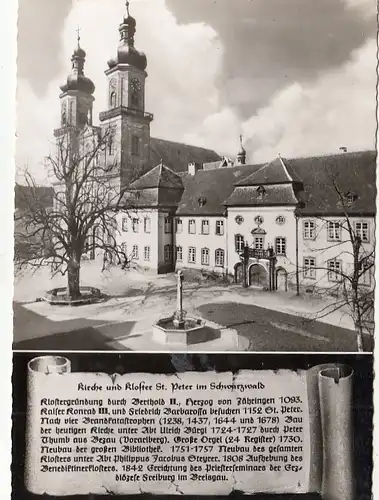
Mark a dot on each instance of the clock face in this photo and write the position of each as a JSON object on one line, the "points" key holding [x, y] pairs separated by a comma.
{"points": [[135, 85]]}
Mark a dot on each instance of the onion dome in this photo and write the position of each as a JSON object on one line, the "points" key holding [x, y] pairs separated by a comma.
{"points": [[241, 155], [76, 80], [126, 52]]}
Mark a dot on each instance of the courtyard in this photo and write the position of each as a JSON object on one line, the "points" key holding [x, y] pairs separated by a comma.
{"points": [[264, 321]]}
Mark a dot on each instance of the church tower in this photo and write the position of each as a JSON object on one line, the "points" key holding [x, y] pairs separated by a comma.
{"points": [[129, 148], [76, 97]]}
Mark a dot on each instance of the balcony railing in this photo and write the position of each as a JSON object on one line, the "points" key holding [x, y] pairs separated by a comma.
{"points": [[111, 113]]}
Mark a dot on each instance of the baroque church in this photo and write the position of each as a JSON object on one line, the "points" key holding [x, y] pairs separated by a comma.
{"points": [[272, 225]]}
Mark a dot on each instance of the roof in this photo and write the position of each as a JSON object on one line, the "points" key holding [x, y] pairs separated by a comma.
{"points": [[351, 172], [213, 186], [152, 198], [305, 182], [25, 194], [177, 156], [159, 177], [274, 195], [275, 172]]}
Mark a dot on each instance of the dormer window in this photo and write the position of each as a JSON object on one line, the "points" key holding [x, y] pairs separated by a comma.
{"points": [[261, 192], [350, 197], [201, 201]]}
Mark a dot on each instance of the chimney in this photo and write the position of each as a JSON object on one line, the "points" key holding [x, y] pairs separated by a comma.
{"points": [[194, 167]]}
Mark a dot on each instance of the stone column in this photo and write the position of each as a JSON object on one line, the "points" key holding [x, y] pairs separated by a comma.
{"points": [[179, 316]]}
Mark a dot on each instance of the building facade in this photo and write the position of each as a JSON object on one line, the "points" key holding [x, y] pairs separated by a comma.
{"points": [[288, 222]]}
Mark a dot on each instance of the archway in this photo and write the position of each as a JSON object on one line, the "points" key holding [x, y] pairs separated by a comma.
{"points": [[281, 279], [258, 276], [238, 273]]}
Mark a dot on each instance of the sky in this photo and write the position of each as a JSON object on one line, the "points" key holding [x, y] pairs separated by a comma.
{"points": [[294, 77]]}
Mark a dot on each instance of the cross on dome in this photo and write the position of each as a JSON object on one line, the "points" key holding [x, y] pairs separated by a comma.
{"points": [[78, 30], [127, 7]]}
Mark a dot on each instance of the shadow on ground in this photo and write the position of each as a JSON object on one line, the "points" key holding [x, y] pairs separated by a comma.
{"points": [[270, 330], [83, 339], [32, 331], [206, 334]]}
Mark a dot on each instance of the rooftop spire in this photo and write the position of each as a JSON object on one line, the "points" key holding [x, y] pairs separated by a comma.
{"points": [[241, 156], [126, 53], [77, 80], [78, 30]]}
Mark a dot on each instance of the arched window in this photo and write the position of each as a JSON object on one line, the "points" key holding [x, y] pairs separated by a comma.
{"points": [[112, 100], [240, 242], [205, 256], [134, 99], [220, 257], [111, 145]]}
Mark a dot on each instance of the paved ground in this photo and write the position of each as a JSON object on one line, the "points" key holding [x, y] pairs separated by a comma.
{"points": [[265, 321], [265, 330]]}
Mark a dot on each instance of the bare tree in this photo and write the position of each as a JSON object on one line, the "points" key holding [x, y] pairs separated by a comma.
{"points": [[81, 218], [352, 288]]}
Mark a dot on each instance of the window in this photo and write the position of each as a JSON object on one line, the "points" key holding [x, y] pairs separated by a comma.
{"points": [[219, 227], [219, 257], [112, 99], [192, 255], [309, 267], [135, 225], [350, 197], [147, 224], [261, 192], [168, 253], [365, 277], [280, 220], [179, 253], [280, 246], [192, 226], [362, 231], [205, 256], [167, 225], [240, 242], [239, 219], [258, 220], [134, 99], [334, 231], [258, 242], [178, 225], [111, 145], [205, 227], [124, 224], [334, 270], [146, 253], [309, 230], [135, 252], [135, 145], [124, 248]]}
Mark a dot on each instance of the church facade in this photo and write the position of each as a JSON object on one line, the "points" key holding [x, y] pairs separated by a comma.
{"points": [[273, 225]]}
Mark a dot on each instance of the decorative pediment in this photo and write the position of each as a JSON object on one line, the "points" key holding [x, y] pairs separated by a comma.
{"points": [[258, 230]]}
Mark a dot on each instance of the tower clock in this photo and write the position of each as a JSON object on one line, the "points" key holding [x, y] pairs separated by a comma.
{"points": [[135, 92]]}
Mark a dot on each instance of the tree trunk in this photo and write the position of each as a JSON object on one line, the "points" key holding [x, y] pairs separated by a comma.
{"points": [[73, 279], [359, 333]]}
